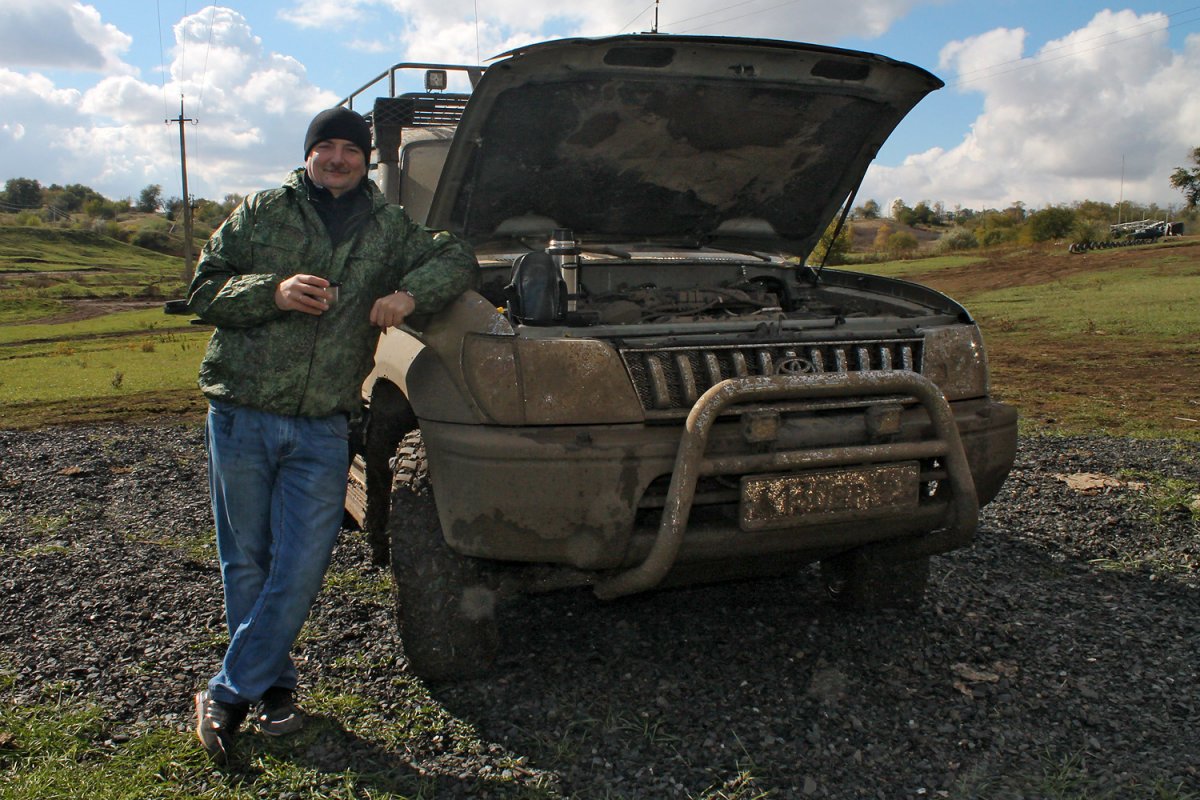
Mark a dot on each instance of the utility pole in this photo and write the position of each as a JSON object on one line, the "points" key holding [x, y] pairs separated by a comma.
{"points": [[189, 263], [1121, 201]]}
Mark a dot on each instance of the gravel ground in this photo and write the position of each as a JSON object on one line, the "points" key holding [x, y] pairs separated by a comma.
{"points": [[1059, 651]]}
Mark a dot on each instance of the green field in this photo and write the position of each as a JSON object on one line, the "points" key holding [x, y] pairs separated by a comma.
{"points": [[99, 367], [901, 269], [44, 270], [1097, 343], [1102, 343], [1153, 301], [82, 332]]}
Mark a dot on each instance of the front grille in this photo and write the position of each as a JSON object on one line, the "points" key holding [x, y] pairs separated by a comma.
{"points": [[671, 379]]}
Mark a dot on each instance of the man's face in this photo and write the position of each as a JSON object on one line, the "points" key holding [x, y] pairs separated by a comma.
{"points": [[336, 164]]}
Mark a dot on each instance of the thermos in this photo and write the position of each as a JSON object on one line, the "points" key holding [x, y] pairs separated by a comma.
{"points": [[565, 252]]}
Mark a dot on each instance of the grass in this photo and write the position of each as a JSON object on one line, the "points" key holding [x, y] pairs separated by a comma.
{"points": [[1084, 345], [1158, 502], [43, 268], [65, 748], [374, 585], [149, 323], [200, 548], [24, 249], [97, 368], [1065, 777], [48, 526], [60, 365], [64, 751], [906, 267], [1157, 301], [1163, 496]]}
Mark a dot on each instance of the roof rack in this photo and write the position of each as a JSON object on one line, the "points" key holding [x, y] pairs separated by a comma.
{"points": [[419, 110]]}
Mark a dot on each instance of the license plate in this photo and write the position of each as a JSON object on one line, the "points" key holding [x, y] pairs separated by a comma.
{"points": [[781, 501]]}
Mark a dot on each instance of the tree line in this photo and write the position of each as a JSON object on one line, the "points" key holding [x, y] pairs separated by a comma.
{"points": [[149, 221], [1090, 219], [960, 229], [965, 228]]}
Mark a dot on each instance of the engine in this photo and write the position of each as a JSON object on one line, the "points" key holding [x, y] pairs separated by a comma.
{"points": [[650, 304]]}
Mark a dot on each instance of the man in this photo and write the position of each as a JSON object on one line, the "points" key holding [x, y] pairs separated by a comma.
{"points": [[299, 281]]}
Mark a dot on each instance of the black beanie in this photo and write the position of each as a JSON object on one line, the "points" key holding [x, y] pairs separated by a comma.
{"points": [[338, 123]]}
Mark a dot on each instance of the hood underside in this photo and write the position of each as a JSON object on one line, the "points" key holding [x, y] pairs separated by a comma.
{"points": [[667, 138]]}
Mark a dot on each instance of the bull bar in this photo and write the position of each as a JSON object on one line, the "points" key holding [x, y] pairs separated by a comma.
{"points": [[962, 513]]}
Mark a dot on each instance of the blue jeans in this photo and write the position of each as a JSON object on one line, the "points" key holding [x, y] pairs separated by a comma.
{"points": [[278, 485]]}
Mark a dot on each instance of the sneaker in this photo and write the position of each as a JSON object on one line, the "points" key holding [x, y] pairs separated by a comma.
{"points": [[217, 724], [277, 713]]}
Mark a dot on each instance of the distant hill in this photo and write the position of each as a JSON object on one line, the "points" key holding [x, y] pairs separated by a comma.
{"points": [[40, 249], [48, 273], [863, 233]]}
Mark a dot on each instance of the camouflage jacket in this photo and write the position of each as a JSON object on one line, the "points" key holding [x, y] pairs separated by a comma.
{"points": [[289, 362]]}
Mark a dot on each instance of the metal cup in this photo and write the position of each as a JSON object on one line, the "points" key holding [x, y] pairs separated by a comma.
{"points": [[333, 292]]}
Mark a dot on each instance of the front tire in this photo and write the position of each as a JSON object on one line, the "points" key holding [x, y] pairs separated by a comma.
{"points": [[389, 420], [445, 609]]}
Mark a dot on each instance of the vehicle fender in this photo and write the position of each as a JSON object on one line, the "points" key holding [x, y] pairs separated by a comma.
{"points": [[431, 375], [435, 395]]}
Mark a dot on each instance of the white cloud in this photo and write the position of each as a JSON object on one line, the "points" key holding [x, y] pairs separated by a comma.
{"points": [[34, 114], [60, 34], [1055, 123], [805, 20], [447, 30], [1063, 123], [115, 138], [324, 13]]}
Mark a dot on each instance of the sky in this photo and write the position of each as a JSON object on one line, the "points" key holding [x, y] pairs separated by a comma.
{"points": [[1047, 102]]}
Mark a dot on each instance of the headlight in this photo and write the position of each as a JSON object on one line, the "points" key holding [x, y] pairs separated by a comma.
{"points": [[548, 381], [955, 360]]}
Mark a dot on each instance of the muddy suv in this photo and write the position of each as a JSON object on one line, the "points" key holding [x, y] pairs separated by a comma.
{"points": [[650, 387]]}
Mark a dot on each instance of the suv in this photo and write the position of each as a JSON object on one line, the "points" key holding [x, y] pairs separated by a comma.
{"points": [[649, 386]]}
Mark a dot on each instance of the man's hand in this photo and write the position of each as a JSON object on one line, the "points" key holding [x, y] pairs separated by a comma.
{"points": [[305, 293], [392, 310]]}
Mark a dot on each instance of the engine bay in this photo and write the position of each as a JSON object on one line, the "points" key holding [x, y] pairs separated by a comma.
{"points": [[612, 292]]}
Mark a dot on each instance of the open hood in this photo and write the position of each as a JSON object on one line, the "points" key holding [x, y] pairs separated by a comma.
{"points": [[745, 142]]}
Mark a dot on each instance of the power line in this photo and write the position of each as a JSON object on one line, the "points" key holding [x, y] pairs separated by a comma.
{"points": [[204, 72], [207, 50], [162, 61], [710, 13], [183, 49], [627, 25], [162, 58], [739, 16]]}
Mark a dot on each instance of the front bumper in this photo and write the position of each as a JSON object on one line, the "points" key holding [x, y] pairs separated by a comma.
{"points": [[593, 497]]}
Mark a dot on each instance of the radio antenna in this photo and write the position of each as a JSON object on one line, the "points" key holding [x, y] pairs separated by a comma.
{"points": [[655, 28]]}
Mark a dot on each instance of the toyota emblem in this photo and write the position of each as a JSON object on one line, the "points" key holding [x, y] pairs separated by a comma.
{"points": [[794, 366]]}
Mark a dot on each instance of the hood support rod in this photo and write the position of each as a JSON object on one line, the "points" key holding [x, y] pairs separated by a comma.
{"points": [[838, 230]]}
